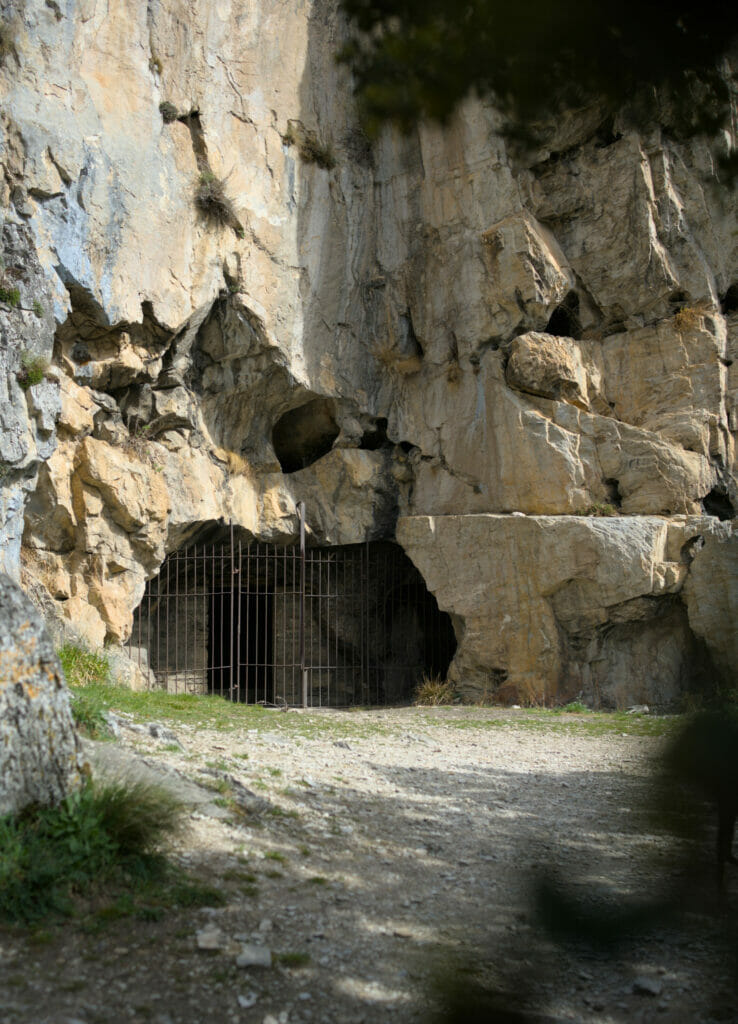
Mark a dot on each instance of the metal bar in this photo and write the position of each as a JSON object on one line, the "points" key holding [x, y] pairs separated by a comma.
{"points": [[303, 670], [237, 590], [248, 619]]}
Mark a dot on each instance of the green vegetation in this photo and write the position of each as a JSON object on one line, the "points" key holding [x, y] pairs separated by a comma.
{"points": [[33, 370], [110, 832], [599, 508], [535, 60], [11, 296], [292, 959], [83, 667], [434, 691], [38, 309]]}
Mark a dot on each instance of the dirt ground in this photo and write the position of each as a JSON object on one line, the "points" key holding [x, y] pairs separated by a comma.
{"points": [[363, 856]]}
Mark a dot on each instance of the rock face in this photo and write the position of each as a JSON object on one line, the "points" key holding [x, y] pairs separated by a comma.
{"points": [[39, 752], [431, 326]]}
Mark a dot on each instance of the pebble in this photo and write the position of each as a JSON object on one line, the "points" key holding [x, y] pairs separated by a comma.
{"points": [[247, 1000], [210, 937], [254, 956], [647, 987]]}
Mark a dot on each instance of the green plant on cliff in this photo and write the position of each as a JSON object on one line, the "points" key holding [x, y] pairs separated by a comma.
{"points": [[599, 508], [11, 296], [32, 371]]}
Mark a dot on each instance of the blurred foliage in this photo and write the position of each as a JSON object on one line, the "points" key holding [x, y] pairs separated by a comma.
{"points": [[659, 63]]}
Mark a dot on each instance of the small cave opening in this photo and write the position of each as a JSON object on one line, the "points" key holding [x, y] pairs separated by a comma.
{"points": [[305, 434], [375, 436], [718, 503], [252, 622], [729, 303], [564, 322], [612, 488]]}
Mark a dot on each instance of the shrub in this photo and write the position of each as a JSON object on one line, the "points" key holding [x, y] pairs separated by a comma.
{"points": [[38, 309], [434, 691], [309, 147], [213, 201], [33, 370], [82, 666], [51, 853], [11, 296], [168, 112]]}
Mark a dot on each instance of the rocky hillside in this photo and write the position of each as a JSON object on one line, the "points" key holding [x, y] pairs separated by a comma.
{"points": [[219, 298]]}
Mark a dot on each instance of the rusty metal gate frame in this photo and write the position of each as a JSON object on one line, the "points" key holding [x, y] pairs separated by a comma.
{"points": [[184, 636]]}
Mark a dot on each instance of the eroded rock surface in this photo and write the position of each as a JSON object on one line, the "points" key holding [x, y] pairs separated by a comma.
{"points": [[39, 751], [431, 325]]}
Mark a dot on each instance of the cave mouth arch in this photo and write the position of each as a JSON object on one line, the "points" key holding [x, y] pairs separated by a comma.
{"points": [[242, 618]]}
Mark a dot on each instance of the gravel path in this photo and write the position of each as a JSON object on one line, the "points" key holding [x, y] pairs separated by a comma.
{"points": [[379, 849]]}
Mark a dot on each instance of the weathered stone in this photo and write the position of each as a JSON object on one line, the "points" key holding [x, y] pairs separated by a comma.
{"points": [[548, 366], [39, 752], [568, 606]]}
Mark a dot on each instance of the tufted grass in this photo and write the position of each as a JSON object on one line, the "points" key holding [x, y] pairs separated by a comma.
{"points": [[109, 832]]}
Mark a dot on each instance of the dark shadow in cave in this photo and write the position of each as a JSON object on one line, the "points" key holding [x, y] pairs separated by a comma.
{"points": [[303, 435]]}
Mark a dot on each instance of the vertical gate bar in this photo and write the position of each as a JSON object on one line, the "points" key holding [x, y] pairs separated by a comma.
{"points": [[185, 558], [176, 618], [257, 585], [311, 617], [166, 627], [321, 642], [232, 616], [238, 628], [247, 680], [272, 619], [303, 669]]}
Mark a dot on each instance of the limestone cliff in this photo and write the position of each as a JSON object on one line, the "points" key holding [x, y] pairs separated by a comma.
{"points": [[428, 331]]}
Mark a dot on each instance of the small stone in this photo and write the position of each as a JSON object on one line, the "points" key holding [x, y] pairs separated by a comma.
{"points": [[209, 938], [647, 987], [265, 925], [247, 1000], [254, 956]]}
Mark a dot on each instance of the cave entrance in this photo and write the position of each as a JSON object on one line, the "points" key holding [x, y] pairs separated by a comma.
{"points": [[263, 623]]}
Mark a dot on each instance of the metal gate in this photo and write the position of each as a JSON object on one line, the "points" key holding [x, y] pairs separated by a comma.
{"points": [[290, 625]]}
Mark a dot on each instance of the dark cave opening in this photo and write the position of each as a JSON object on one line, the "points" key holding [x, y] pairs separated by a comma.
{"points": [[303, 435], [729, 302], [717, 503], [249, 621], [564, 321]]}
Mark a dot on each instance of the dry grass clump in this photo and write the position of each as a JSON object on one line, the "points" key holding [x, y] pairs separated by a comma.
{"points": [[309, 147], [213, 201], [688, 319], [434, 691], [168, 112]]}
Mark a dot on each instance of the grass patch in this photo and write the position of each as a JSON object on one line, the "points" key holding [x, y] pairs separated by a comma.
{"points": [[275, 855], [10, 296], [434, 691], [102, 833], [89, 717], [83, 667], [33, 370], [292, 959], [599, 508]]}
